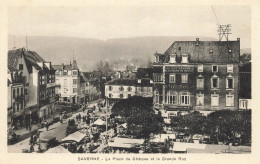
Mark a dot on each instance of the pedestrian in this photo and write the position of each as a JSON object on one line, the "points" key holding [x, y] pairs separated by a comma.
{"points": [[31, 140], [30, 127], [35, 139], [47, 125], [32, 148]]}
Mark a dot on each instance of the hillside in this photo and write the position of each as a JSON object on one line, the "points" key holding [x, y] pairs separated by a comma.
{"points": [[88, 52]]}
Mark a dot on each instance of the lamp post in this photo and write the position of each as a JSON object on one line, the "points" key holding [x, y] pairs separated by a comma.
{"points": [[30, 119]]}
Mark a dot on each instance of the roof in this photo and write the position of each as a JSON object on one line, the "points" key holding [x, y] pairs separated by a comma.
{"points": [[11, 68], [58, 149], [199, 51], [160, 138], [125, 82], [13, 57], [182, 146], [99, 122], [128, 140], [144, 73], [77, 136]]}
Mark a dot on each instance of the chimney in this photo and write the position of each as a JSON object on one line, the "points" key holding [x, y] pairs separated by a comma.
{"points": [[197, 41]]}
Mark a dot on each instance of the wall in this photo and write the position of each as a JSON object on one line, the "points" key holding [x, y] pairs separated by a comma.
{"points": [[33, 89], [116, 92]]}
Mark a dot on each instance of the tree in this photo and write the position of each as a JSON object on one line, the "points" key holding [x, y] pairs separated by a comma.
{"points": [[135, 104], [106, 67], [141, 125]]}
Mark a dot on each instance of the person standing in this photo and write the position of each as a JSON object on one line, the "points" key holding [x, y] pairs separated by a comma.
{"points": [[47, 125]]}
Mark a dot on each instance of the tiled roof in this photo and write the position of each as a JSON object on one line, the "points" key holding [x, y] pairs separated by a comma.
{"points": [[33, 56], [125, 82], [13, 57], [11, 68], [206, 51], [144, 73]]}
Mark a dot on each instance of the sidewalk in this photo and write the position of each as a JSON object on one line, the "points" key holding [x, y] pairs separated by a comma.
{"points": [[24, 131]]}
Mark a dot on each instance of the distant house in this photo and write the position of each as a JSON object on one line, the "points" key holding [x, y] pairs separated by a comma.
{"points": [[245, 78], [68, 83]]}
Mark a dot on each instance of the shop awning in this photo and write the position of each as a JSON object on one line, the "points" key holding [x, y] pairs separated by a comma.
{"points": [[58, 149], [77, 136]]}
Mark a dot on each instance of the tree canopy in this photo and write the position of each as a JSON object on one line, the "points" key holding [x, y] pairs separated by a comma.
{"points": [[135, 104]]}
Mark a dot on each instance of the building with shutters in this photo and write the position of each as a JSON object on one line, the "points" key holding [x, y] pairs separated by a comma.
{"points": [[197, 75], [35, 95]]}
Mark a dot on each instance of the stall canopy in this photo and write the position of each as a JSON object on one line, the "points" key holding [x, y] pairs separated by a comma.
{"points": [[160, 138], [99, 122], [125, 142], [182, 146], [57, 149], [77, 136]]}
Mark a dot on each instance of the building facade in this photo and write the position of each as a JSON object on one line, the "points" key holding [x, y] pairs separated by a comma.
{"points": [[38, 89], [197, 75], [68, 83], [245, 79]]}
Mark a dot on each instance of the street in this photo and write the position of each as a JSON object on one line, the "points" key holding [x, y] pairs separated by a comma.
{"points": [[56, 130]]}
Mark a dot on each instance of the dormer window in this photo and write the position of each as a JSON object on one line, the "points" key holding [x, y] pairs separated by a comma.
{"points": [[139, 81], [184, 58], [200, 68], [172, 58], [211, 50], [229, 50]]}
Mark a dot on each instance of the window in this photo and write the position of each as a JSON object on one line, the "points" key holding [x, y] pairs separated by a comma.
{"points": [[129, 89], [129, 95], [110, 95], [184, 78], [139, 81], [200, 68], [229, 83], [65, 90], [74, 81], [243, 104], [229, 100], [211, 50], [214, 100], [171, 97], [229, 50], [184, 58], [172, 58], [230, 68], [65, 72], [13, 93], [158, 77], [200, 83], [121, 96], [172, 78], [110, 88], [65, 82], [21, 91], [50, 78], [121, 88], [74, 90], [17, 108], [20, 66], [42, 79], [179, 48], [18, 92], [214, 82], [214, 68], [74, 72], [142, 89], [185, 98], [200, 99]]}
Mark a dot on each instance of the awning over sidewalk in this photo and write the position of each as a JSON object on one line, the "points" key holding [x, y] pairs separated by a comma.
{"points": [[58, 149], [99, 122], [77, 136]]}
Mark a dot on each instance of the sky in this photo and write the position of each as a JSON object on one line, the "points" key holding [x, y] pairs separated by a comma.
{"points": [[108, 22]]}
